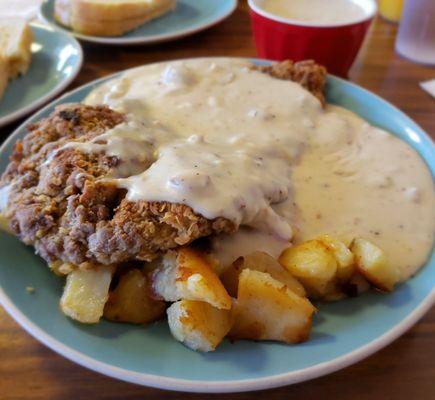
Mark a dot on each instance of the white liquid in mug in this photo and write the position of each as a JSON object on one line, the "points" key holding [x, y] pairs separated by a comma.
{"points": [[315, 11]]}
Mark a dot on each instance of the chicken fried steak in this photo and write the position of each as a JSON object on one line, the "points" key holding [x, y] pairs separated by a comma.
{"points": [[59, 203], [60, 206]]}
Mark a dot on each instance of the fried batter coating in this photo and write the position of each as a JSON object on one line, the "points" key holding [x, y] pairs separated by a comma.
{"points": [[307, 73], [62, 208], [59, 202]]}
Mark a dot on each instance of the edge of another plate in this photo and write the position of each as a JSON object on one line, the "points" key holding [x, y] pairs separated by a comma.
{"points": [[204, 386], [131, 41], [56, 90]]}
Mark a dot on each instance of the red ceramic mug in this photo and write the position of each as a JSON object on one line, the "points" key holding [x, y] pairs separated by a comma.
{"points": [[333, 45]]}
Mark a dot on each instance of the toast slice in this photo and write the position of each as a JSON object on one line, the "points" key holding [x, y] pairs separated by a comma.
{"points": [[109, 17], [15, 45], [116, 10], [109, 28]]}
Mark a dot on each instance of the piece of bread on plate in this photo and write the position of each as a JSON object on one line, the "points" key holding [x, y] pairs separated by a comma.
{"points": [[109, 17], [15, 45], [107, 28]]}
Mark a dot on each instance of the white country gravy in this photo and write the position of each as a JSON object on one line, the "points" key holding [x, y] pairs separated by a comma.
{"points": [[315, 11], [230, 141]]}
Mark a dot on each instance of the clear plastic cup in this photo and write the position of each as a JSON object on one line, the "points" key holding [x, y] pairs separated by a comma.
{"points": [[416, 37]]}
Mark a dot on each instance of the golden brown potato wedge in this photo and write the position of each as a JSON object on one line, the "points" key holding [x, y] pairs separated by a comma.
{"points": [[86, 293], [131, 302], [186, 275], [313, 264], [198, 325], [373, 264], [263, 262], [267, 310], [344, 257]]}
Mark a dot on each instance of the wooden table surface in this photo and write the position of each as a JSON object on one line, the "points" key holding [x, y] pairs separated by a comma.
{"points": [[403, 370]]}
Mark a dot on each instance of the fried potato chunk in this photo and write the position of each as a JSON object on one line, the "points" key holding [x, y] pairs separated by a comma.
{"points": [[86, 293], [187, 275], [131, 302], [198, 325], [344, 257], [373, 264], [313, 264], [267, 310], [263, 262], [4, 224]]}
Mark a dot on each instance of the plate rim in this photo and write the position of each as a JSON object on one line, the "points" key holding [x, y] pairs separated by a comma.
{"points": [[222, 386], [234, 386], [123, 41], [63, 84]]}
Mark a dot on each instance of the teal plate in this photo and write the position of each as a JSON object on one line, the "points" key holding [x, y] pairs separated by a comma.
{"points": [[56, 61], [189, 17], [343, 332]]}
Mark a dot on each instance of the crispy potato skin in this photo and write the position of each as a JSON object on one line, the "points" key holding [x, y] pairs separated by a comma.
{"points": [[267, 310], [187, 274], [131, 302], [373, 264], [313, 264], [329, 269], [198, 325], [263, 262], [345, 258]]}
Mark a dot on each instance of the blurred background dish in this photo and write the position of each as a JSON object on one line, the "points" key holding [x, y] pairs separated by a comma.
{"points": [[16, 37], [416, 37], [319, 34], [189, 17], [391, 10], [26, 9], [56, 61], [111, 17]]}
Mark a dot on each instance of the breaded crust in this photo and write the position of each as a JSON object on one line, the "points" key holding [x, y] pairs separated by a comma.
{"points": [[62, 208], [307, 73], [59, 203]]}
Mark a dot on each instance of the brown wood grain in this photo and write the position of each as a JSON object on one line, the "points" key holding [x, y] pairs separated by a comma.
{"points": [[403, 370]]}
